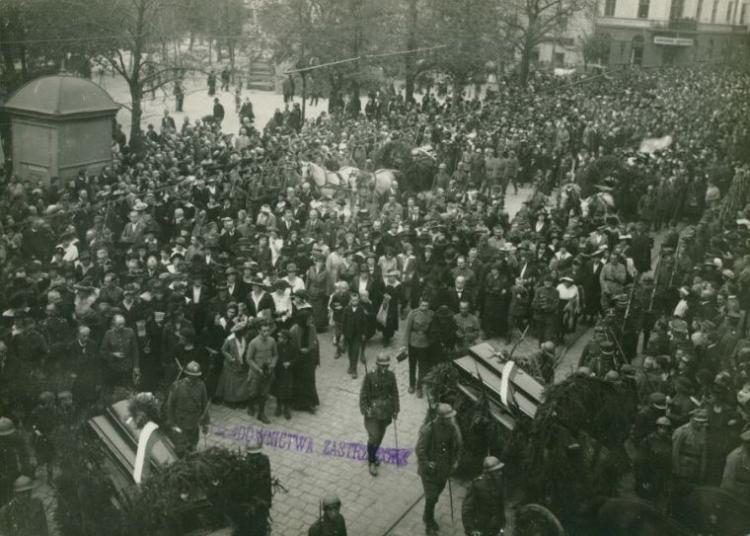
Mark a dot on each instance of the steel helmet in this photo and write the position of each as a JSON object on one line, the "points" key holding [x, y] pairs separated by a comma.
{"points": [[331, 501], [492, 464]]}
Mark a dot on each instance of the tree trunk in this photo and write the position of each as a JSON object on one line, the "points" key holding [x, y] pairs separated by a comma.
{"points": [[210, 50], [135, 117], [304, 94], [459, 81], [409, 59], [219, 57], [523, 71]]}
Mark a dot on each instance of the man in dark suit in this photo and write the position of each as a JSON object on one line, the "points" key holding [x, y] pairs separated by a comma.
{"points": [[640, 248], [286, 224], [457, 294], [354, 330]]}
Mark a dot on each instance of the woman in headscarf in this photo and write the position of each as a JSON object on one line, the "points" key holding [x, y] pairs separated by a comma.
{"points": [[305, 340]]}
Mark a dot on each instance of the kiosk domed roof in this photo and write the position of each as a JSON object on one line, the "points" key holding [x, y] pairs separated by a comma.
{"points": [[61, 95]]}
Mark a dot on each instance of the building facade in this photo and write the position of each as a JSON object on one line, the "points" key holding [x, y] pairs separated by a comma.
{"points": [[669, 32]]}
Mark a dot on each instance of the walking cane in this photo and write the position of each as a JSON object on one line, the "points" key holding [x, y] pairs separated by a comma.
{"points": [[450, 496]]}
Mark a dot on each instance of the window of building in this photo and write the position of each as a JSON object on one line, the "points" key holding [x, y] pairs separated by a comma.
{"points": [[713, 10], [636, 50], [676, 10], [559, 59], [743, 12], [609, 8], [698, 10], [643, 6], [729, 11]]}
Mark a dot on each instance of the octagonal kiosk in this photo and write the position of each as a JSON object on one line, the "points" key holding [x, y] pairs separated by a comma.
{"points": [[59, 125]]}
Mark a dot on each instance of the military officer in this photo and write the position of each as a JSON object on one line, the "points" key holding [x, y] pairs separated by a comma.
{"points": [[543, 362], [378, 402], [468, 326], [689, 452], [24, 515], [331, 522], [187, 407], [653, 469], [438, 450], [483, 509], [736, 477], [544, 306], [415, 339]]}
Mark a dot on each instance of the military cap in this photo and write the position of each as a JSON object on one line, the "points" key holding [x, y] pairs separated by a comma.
{"points": [[383, 359], [607, 347], [583, 371], [445, 411], [23, 483], [658, 400], [6, 426], [331, 501], [492, 464], [548, 346], [611, 376], [663, 421], [699, 415], [192, 369], [254, 444]]}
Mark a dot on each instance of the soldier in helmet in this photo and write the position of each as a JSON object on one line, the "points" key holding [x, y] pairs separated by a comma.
{"points": [[187, 408], [438, 450], [483, 509], [736, 478], [14, 458], [542, 362], [330, 522], [653, 469], [379, 403], [24, 515]]}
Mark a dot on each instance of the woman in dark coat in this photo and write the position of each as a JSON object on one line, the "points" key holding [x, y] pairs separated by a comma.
{"points": [[283, 387], [305, 340]]}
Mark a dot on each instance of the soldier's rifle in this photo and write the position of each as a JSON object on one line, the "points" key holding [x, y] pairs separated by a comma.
{"points": [[617, 344], [656, 280], [518, 342], [676, 260], [630, 301]]}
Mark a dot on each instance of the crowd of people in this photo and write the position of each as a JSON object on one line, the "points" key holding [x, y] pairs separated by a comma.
{"points": [[205, 254]]}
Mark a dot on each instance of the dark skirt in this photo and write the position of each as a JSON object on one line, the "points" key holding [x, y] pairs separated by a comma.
{"points": [[320, 312], [233, 384], [305, 394]]}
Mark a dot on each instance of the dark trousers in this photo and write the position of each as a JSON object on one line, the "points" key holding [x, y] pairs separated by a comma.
{"points": [[375, 432], [186, 441], [433, 486], [355, 349], [419, 365]]}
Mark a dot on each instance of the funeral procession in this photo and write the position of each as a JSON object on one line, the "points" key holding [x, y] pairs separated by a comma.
{"points": [[374, 267]]}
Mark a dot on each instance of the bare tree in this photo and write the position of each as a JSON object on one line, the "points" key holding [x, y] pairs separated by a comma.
{"points": [[526, 23]]}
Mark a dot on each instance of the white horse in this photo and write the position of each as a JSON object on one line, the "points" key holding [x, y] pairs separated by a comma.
{"points": [[349, 178]]}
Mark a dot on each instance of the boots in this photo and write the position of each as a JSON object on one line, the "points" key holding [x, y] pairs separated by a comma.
{"points": [[430, 524], [261, 412]]}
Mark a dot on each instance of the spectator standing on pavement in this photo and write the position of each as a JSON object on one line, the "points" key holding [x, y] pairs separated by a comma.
{"points": [[167, 123], [483, 509], [262, 354], [438, 450], [187, 407], [237, 100], [24, 515], [211, 83], [246, 111], [330, 522], [354, 328], [218, 112], [415, 339], [379, 403], [226, 76]]}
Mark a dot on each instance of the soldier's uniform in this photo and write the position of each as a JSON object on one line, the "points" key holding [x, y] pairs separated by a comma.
{"points": [[187, 408], [468, 329], [483, 509], [438, 449], [544, 306], [689, 452], [736, 477], [379, 403], [263, 484], [330, 522], [654, 464], [14, 458], [23, 516]]}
